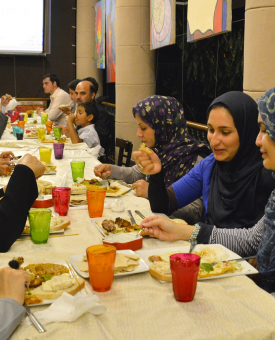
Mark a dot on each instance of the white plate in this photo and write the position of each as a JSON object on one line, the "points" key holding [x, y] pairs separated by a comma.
{"points": [[143, 267], [49, 302], [247, 268], [61, 231]]}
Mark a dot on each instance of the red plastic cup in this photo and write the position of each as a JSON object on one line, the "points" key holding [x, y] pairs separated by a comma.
{"points": [[13, 118], [61, 200], [184, 269]]}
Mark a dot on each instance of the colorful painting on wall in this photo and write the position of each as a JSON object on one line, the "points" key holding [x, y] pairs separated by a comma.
{"points": [[100, 34], [162, 23], [111, 40], [206, 18]]}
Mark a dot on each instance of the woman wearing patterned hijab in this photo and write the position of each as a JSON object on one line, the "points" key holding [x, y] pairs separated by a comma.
{"points": [[162, 127], [266, 141]]}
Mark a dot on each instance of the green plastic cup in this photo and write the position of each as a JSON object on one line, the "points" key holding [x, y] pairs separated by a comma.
{"points": [[77, 169], [57, 132], [40, 220]]}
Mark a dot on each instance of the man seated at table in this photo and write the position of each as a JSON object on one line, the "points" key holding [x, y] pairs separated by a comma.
{"points": [[72, 85], [86, 91], [12, 294], [7, 103], [17, 198], [58, 97]]}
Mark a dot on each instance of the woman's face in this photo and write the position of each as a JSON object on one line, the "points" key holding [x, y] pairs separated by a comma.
{"points": [[266, 145], [145, 132], [222, 134]]}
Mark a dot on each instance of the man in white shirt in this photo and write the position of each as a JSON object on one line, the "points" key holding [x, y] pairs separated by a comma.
{"points": [[7, 103], [58, 97]]}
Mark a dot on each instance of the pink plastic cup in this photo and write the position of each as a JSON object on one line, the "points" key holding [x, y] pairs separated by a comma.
{"points": [[61, 200], [184, 269]]}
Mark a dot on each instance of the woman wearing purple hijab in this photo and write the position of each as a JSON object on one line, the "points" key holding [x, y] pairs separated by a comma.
{"points": [[162, 127]]}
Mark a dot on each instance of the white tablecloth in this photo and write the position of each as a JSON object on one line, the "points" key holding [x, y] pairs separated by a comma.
{"points": [[139, 306]]}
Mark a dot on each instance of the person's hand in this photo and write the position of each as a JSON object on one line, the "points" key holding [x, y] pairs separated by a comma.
{"points": [[65, 131], [40, 110], [165, 229], [6, 99], [147, 164], [67, 110], [7, 154], [12, 284], [70, 118], [103, 170], [34, 164], [141, 187], [4, 162]]}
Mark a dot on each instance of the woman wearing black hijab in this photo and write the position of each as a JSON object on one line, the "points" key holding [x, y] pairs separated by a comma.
{"points": [[232, 181]]}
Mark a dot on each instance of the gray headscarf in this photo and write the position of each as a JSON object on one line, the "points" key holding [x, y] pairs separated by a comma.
{"points": [[266, 251]]}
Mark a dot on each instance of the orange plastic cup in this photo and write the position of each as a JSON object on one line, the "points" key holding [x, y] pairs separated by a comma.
{"points": [[21, 123], [95, 199], [49, 125], [101, 262]]}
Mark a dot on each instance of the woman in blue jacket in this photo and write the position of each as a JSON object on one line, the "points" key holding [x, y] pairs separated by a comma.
{"points": [[232, 181]]}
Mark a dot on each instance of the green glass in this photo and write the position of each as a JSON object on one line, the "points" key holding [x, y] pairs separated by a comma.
{"points": [[77, 169], [40, 220], [57, 132], [43, 120]]}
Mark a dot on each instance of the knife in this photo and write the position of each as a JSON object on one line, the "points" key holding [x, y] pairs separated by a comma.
{"points": [[132, 220], [237, 260], [139, 214]]}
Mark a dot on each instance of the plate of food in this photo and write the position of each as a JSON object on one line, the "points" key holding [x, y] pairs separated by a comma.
{"points": [[48, 282], [127, 263], [49, 169], [58, 225], [115, 189], [44, 187], [31, 135], [114, 225], [52, 140], [216, 262]]}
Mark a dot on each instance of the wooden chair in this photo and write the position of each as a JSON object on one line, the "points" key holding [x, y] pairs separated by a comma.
{"points": [[125, 151]]}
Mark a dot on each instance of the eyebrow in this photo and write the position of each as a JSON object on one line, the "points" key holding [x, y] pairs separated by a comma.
{"points": [[260, 124], [220, 127]]}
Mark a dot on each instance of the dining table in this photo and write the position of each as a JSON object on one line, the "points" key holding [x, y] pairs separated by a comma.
{"points": [[138, 306]]}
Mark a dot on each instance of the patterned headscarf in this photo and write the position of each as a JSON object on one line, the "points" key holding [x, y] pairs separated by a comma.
{"points": [[266, 251], [177, 150]]}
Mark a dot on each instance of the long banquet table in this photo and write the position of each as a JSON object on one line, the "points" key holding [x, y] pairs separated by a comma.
{"points": [[139, 306]]}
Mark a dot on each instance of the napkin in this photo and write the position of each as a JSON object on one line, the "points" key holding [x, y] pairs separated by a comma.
{"points": [[68, 308]]}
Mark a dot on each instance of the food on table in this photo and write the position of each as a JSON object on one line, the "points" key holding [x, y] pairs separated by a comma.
{"points": [[78, 189], [61, 140], [49, 281], [57, 223], [119, 226], [144, 148], [32, 133], [114, 188], [45, 187], [123, 263], [161, 266], [49, 168], [64, 106], [78, 199]]}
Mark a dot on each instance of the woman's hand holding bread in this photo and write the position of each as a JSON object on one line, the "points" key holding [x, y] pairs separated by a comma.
{"points": [[148, 164]]}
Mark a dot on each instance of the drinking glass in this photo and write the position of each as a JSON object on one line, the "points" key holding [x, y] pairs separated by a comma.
{"points": [[57, 132], [184, 269], [77, 169], [101, 262], [41, 133], [61, 200], [44, 118], [40, 220], [95, 199], [45, 155], [58, 150]]}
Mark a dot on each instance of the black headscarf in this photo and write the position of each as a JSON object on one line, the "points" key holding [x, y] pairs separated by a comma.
{"points": [[240, 188]]}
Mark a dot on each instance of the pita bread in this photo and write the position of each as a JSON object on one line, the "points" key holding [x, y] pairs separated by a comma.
{"points": [[78, 189], [82, 266]]}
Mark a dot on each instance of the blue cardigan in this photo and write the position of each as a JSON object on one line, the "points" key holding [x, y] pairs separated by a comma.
{"points": [[195, 183]]}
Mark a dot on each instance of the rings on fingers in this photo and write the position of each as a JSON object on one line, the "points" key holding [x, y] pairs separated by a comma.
{"points": [[140, 166]]}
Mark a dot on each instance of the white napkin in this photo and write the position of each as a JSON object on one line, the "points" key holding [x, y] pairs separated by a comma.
{"points": [[117, 205], [69, 308]]}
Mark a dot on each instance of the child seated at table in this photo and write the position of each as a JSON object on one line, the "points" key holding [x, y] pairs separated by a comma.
{"points": [[86, 116]]}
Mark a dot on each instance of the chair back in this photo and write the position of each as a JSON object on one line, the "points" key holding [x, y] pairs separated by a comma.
{"points": [[125, 151]]}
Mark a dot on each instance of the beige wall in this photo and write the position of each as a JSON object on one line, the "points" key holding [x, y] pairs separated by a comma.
{"points": [[135, 63], [85, 42], [259, 71]]}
